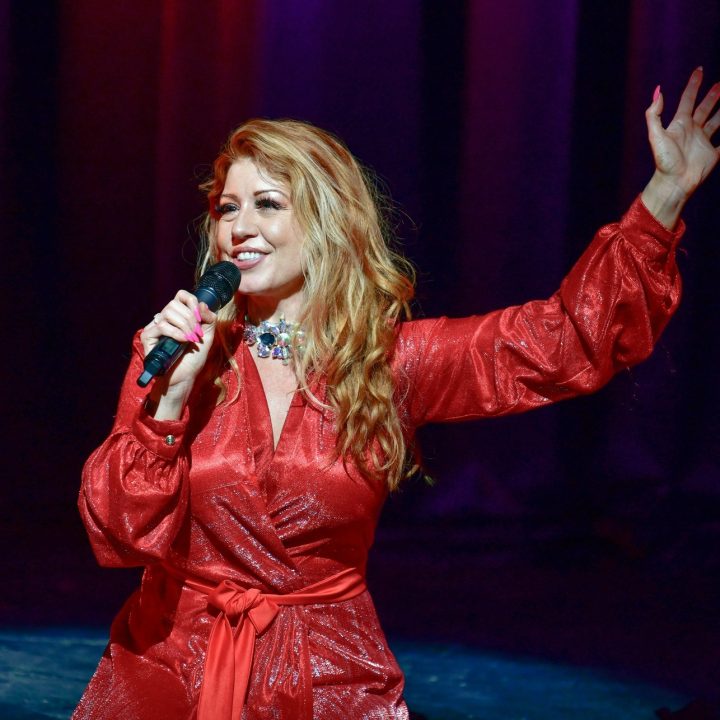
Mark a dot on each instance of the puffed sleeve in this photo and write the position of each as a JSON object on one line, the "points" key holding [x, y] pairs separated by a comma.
{"points": [[606, 316], [134, 492]]}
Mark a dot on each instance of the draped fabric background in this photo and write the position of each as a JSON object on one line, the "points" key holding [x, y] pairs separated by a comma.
{"points": [[507, 133]]}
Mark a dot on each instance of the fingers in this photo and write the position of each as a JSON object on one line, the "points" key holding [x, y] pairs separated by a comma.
{"points": [[181, 319], [712, 124], [703, 110], [687, 100]]}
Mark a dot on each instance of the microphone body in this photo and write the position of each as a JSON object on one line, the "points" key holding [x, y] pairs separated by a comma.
{"points": [[215, 288]]}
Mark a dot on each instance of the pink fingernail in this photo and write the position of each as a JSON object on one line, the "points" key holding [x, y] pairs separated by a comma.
{"points": [[656, 94], [196, 309], [192, 337], [198, 330]]}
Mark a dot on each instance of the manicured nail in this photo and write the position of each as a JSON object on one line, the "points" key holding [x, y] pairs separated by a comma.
{"points": [[656, 94], [196, 310], [198, 330], [192, 337]]}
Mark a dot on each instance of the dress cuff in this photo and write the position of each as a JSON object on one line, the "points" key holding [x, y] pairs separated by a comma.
{"points": [[643, 230], [162, 437]]}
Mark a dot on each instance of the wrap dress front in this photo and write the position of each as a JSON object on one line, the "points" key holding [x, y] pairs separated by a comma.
{"points": [[232, 533]]}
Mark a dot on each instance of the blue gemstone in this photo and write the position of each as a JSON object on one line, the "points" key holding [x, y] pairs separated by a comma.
{"points": [[267, 338]]}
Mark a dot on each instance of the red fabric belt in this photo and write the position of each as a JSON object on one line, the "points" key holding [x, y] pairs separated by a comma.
{"points": [[244, 614]]}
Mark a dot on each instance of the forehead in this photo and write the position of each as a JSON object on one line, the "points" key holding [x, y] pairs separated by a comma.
{"points": [[245, 175]]}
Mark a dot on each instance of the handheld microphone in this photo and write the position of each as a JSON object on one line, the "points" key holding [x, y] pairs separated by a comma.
{"points": [[215, 288]]}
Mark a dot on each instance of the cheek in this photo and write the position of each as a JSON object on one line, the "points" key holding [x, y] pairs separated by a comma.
{"points": [[297, 255], [278, 231], [295, 238], [220, 244]]}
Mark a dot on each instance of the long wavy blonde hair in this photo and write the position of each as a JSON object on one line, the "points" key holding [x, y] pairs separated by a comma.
{"points": [[357, 288]]}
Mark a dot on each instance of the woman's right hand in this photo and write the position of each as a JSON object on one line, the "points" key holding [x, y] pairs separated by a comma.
{"points": [[187, 321]]}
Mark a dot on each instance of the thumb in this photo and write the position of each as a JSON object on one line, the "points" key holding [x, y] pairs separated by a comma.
{"points": [[652, 115], [203, 314]]}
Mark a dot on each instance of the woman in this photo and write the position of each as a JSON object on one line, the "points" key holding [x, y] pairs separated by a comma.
{"points": [[249, 487]]}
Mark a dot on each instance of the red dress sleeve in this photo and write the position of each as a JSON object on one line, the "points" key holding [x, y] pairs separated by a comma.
{"points": [[606, 316], [134, 492]]}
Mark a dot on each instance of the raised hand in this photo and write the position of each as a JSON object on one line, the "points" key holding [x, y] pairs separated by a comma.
{"points": [[683, 151]]}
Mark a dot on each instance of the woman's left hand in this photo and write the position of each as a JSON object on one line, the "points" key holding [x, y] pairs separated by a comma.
{"points": [[684, 154]]}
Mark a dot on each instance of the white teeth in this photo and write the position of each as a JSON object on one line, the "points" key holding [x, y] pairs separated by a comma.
{"points": [[248, 255]]}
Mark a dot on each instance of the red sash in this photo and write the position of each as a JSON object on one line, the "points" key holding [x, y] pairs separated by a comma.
{"points": [[244, 614]]}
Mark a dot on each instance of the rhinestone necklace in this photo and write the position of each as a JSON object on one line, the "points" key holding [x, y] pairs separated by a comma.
{"points": [[274, 339]]}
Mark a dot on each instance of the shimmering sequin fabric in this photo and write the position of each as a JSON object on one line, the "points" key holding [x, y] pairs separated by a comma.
{"points": [[219, 505]]}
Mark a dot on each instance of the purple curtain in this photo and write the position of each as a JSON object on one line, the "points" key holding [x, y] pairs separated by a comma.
{"points": [[507, 132]]}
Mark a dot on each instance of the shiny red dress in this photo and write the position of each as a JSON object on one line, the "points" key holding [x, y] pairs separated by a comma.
{"points": [[219, 505]]}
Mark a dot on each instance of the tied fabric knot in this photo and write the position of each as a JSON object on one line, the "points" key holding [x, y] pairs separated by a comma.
{"points": [[230, 653], [236, 602]]}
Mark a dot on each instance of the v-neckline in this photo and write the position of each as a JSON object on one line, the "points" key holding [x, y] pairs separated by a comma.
{"points": [[264, 435]]}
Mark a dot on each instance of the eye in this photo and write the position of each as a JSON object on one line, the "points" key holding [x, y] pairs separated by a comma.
{"points": [[226, 210], [267, 203]]}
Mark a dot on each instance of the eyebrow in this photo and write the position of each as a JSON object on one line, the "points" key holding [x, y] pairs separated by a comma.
{"points": [[256, 193]]}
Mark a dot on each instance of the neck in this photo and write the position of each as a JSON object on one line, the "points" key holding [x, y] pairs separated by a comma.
{"points": [[268, 308]]}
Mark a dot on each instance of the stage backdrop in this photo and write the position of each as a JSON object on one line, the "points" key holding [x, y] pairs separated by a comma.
{"points": [[507, 133]]}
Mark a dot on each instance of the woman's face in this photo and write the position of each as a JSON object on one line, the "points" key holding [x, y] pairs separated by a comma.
{"points": [[256, 230]]}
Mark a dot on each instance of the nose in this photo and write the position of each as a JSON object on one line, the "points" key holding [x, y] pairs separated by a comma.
{"points": [[243, 225]]}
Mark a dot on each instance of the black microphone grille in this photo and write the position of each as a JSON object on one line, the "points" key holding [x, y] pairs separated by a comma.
{"points": [[223, 279]]}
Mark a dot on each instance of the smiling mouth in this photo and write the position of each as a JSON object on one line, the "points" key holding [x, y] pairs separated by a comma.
{"points": [[248, 259]]}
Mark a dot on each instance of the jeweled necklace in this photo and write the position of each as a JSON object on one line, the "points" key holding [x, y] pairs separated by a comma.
{"points": [[274, 339]]}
